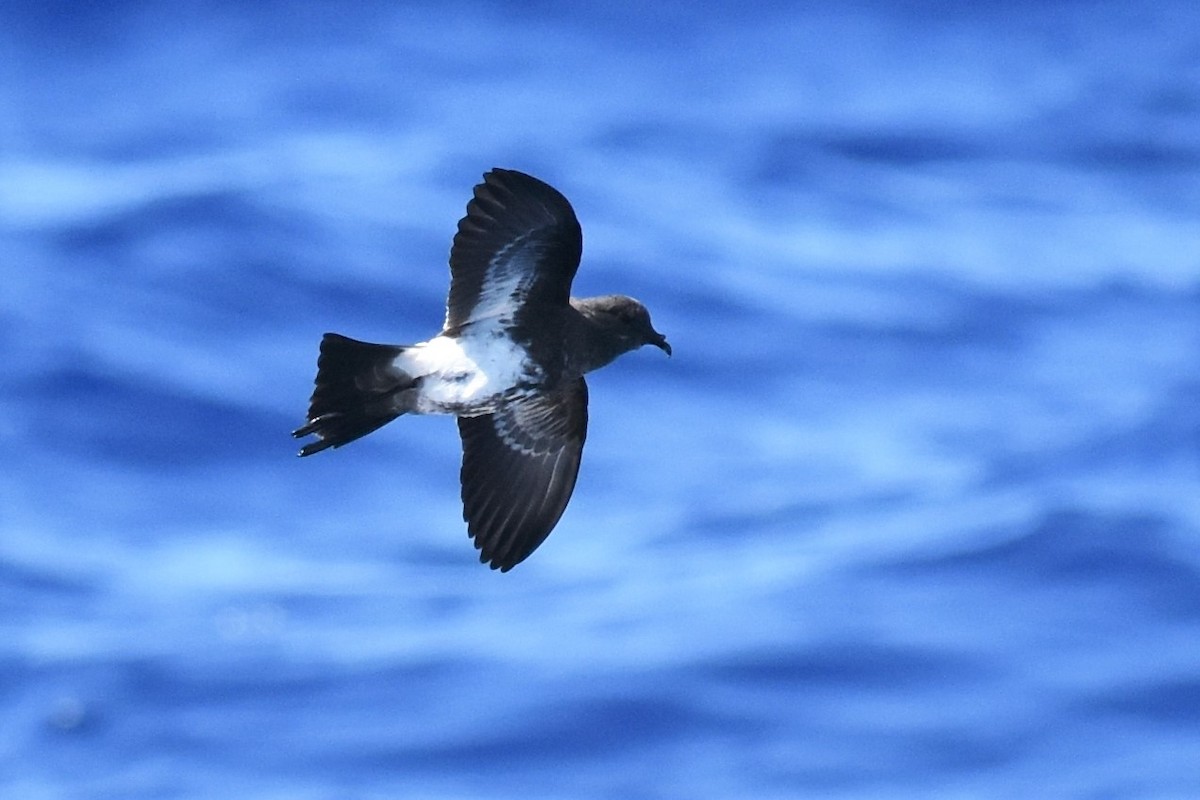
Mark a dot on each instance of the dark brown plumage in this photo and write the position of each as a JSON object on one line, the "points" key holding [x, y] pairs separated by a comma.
{"points": [[509, 363]]}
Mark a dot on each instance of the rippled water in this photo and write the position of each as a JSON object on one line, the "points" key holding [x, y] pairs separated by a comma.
{"points": [[912, 512]]}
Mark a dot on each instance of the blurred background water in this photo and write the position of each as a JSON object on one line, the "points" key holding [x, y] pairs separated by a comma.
{"points": [[913, 512]]}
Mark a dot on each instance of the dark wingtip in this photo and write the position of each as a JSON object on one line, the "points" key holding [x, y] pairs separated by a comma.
{"points": [[496, 563]]}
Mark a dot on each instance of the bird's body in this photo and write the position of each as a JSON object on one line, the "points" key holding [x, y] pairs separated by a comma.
{"points": [[509, 363]]}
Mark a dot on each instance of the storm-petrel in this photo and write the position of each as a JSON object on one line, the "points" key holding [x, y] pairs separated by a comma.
{"points": [[509, 363]]}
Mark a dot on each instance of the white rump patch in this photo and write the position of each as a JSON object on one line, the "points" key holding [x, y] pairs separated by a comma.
{"points": [[466, 374]]}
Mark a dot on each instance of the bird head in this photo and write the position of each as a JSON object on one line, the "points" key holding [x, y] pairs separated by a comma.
{"points": [[624, 319]]}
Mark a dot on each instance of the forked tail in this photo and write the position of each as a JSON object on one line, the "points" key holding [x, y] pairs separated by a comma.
{"points": [[356, 392]]}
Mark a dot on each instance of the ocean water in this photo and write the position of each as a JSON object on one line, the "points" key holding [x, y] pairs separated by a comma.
{"points": [[913, 512]]}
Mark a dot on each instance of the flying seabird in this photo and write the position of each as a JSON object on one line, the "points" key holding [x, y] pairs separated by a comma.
{"points": [[508, 363]]}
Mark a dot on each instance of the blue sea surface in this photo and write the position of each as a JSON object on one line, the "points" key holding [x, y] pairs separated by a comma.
{"points": [[913, 512]]}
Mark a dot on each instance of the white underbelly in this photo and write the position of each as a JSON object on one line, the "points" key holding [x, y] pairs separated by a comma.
{"points": [[467, 374]]}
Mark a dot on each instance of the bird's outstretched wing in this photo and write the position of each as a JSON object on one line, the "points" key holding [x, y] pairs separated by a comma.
{"points": [[519, 469], [518, 244]]}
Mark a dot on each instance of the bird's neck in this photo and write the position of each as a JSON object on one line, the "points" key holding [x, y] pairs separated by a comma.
{"points": [[595, 343]]}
